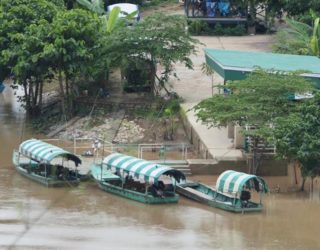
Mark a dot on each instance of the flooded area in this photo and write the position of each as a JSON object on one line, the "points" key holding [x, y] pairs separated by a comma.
{"points": [[36, 217]]}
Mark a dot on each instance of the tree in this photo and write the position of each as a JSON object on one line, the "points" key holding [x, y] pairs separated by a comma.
{"points": [[159, 40], [299, 7], [255, 101], [20, 45], [299, 38], [297, 137], [72, 44]]}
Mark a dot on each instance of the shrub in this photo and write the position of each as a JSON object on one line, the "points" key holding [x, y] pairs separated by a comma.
{"points": [[201, 27]]}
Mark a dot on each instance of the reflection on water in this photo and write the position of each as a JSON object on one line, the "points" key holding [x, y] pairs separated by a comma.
{"points": [[32, 216]]}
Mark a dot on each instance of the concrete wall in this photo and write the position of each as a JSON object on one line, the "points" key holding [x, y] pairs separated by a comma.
{"points": [[268, 167], [199, 147], [238, 137], [273, 167], [213, 167]]}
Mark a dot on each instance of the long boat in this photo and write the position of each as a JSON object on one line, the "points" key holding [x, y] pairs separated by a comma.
{"points": [[137, 179], [232, 192], [44, 163]]}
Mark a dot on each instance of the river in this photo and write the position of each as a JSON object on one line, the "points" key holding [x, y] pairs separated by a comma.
{"points": [[35, 217]]}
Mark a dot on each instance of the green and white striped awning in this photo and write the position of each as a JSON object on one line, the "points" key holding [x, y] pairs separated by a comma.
{"points": [[233, 182], [144, 171], [44, 152]]}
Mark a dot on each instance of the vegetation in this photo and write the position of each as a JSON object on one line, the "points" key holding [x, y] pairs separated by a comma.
{"points": [[21, 45], [299, 38], [158, 40], [297, 137], [42, 41], [201, 27], [256, 101], [298, 7]]}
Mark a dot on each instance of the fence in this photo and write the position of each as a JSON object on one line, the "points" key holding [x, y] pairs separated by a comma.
{"points": [[98, 148]]}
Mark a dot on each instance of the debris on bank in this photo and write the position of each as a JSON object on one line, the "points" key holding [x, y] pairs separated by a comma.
{"points": [[113, 129], [129, 132]]}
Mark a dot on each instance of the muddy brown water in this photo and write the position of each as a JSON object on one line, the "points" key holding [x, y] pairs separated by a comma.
{"points": [[35, 217]]}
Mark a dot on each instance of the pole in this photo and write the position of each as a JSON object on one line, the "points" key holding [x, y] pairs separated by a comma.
{"points": [[74, 144], [182, 150], [146, 188], [102, 155], [101, 168]]}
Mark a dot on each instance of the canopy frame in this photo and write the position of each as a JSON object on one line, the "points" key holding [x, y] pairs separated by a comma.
{"points": [[139, 169], [43, 152], [234, 182]]}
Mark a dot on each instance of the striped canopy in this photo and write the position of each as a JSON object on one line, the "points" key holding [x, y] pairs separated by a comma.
{"points": [[233, 182], [44, 152], [142, 170]]}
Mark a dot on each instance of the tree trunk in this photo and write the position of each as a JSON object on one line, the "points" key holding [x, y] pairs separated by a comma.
{"points": [[30, 94], [68, 105], [40, 95], [26, 95], [254, 155], [153, 76], [72, 98], [35, 98], [302, 185], [252, 17], [67, 86], [295, 172], [62, 96]]}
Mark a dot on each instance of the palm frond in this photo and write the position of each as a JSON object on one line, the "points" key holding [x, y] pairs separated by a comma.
{"points": [[112, 20]]}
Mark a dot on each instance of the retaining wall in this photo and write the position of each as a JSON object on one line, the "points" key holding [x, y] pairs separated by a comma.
{"points": [[268, 167]]}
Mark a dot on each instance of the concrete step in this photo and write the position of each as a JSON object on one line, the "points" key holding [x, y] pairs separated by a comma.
{"points": [[171, 162], [183, 168], [181, 165]]}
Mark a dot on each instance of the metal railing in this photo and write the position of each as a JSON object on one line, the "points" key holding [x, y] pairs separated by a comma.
{"points": [[150, 151]]}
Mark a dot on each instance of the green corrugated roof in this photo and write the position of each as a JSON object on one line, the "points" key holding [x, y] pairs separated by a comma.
{"points": [[234, 182], [138, 168], [281, 62], [44, 152]]}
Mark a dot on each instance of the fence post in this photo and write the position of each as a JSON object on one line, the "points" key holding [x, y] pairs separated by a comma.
{"points": [[182, 151], [74, 144]]}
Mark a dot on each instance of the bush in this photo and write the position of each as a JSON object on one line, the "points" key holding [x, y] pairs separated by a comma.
{"points": [[152, 3], [173, 106], [201, 27], [198, 27], [138, 75], [307, 18]]}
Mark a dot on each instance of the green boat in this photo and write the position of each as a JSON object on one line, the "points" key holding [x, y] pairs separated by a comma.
{"points": [[232, 192], [137, 179], [44, 163]]}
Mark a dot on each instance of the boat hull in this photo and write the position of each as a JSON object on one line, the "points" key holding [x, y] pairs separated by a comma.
{"points": [[137, 196], [208, 196], [111, 183], [45, 181]]}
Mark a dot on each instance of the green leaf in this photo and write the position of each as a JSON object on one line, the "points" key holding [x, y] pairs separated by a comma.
{"points": [[112, 19]]}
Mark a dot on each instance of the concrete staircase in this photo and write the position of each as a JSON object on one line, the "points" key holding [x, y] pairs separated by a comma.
{"points": [[180, 165]]}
